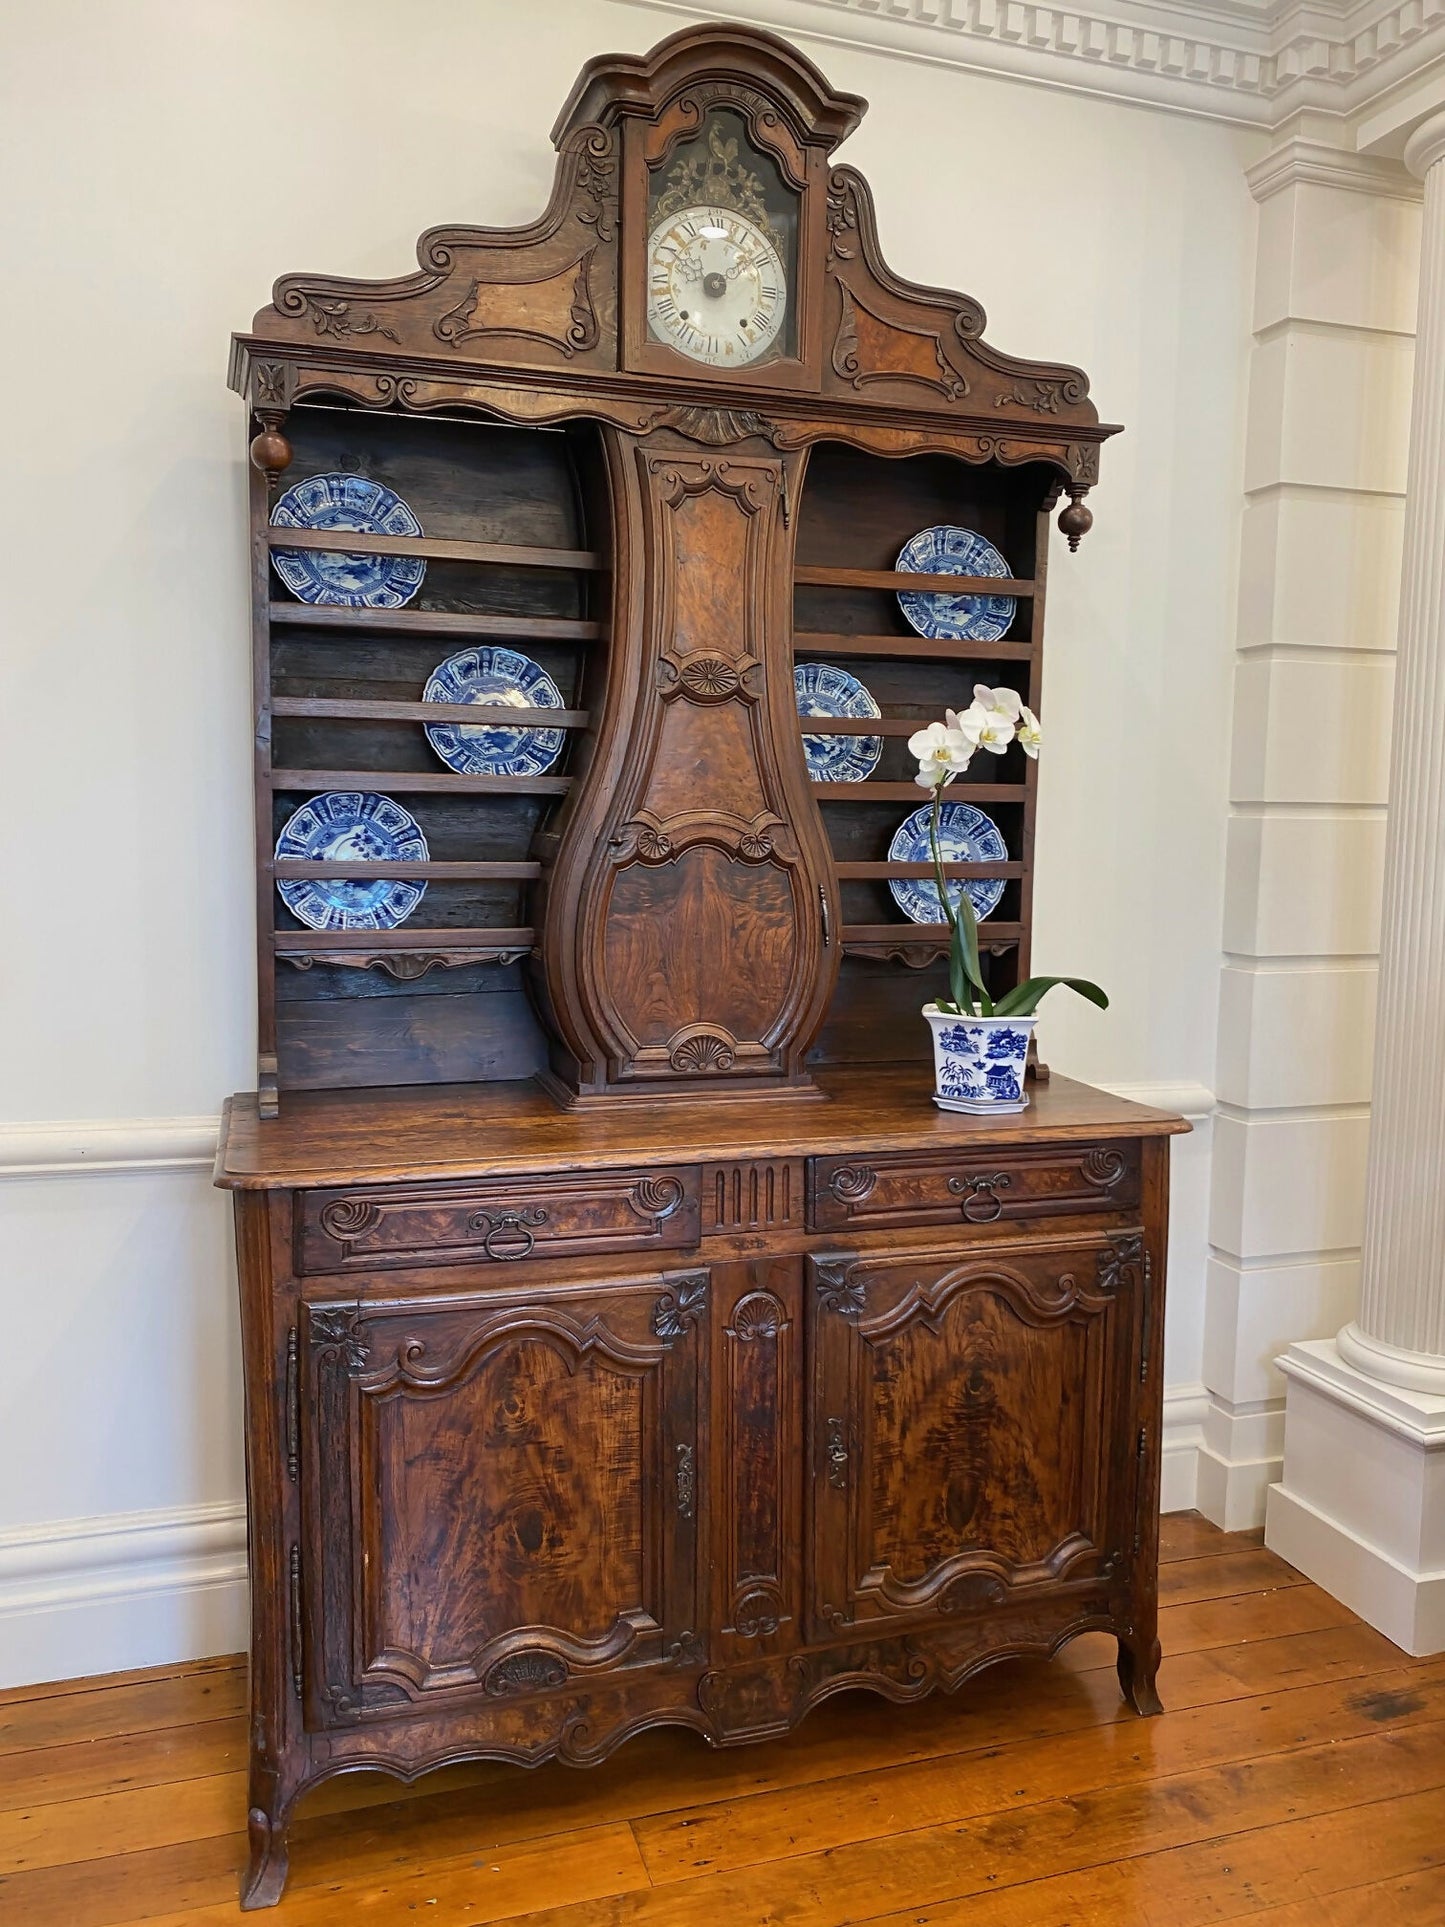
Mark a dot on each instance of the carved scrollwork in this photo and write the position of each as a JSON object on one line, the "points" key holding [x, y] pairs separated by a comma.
{"points": [[755, 846], [852, 1183], [641, 839], [840, 1288], [703, 1050], [530, 1671], [348, 1218], [656, 1197], [597, 180], [338, 1335], [916, 354], [758, 1612], [685, 1478], [1102, 1167], [1044, 395], [687, 1650], [333, 317], [678, 1310]]}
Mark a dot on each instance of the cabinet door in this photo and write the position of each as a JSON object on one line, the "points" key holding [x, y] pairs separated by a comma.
{"points": [[500, 1492], [963, 1411]]}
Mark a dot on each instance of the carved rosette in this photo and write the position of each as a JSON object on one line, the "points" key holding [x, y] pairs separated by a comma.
{"points": [[839, 1287], [338, 1336], [678, 1310]]}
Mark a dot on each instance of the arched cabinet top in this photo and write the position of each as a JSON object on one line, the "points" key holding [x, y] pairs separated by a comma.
{"points": [[545, 321]]}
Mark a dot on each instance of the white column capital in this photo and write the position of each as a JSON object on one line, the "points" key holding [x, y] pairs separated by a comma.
{"points": [[1426, 144]]}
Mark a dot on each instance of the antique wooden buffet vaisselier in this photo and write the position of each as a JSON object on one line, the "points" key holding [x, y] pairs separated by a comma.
{"points": [[628, 1338]]}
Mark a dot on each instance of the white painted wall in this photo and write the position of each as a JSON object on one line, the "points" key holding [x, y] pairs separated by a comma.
{"points": [[164, 163]]}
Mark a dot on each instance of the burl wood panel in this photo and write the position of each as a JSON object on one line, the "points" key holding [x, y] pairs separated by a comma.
{"points": [[520, 1482], [943, 1188], [960, 1410], [699, 945], [369, 1228]]}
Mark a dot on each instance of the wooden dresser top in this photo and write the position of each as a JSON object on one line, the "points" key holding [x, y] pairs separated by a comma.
{"points": [[483, 1130]]}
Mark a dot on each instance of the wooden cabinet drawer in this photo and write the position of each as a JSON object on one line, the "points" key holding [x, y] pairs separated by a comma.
{"points": [[497, 1220], [973, 1184]]}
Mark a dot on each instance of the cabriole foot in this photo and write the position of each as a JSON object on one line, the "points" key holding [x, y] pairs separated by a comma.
{"points": [[1138, 1672], [265, 1876]]}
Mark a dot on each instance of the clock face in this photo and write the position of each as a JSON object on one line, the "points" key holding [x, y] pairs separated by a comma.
{"points": [[716, 287]]}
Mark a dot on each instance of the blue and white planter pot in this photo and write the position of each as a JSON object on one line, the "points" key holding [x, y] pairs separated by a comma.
{"points": [[978, 1062]]}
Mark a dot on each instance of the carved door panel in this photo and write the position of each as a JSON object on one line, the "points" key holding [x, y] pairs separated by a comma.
{"points": [[690, 914], [962, 1411], [756, 1496], [500, 1494]]}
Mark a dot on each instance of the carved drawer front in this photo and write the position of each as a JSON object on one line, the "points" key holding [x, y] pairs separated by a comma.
{"points": [[497, 1221], [970, 1428], [500, 1494], [970, 1186]]}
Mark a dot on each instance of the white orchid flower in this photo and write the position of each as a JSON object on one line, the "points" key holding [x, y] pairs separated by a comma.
{"points": [[991, 729], [1006, 702], [943, 751], [1030, 735]]}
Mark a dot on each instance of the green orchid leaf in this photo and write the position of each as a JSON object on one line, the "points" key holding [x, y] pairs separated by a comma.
{"points": [[1025, 998]]}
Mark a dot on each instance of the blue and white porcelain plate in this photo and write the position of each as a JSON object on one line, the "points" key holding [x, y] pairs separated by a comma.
{"points": [[348, 581], [352, 827], [950, 551], [825, 690], [496, 678], [965, 835]]}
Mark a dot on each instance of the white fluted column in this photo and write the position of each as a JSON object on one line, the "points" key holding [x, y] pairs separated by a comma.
{"points": [[1399, 1335], [1361, 1503]]}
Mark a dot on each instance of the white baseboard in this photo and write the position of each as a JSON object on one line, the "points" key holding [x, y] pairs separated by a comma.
{"points": [[1184, 1412], [129, 1589], [1240, 1457]]}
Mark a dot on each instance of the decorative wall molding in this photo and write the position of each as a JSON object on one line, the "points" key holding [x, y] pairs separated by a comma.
{"points": [[127, 1589], [1188, 1099], [107, 1144], [1186, 1408], [1255, 65], [1319, 165]]}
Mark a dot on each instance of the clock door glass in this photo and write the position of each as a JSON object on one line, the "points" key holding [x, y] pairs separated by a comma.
{"points": [[722, 250]]}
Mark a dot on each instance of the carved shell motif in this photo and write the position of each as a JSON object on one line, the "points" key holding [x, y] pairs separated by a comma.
{"points": [[525, 1672], [705, 1050]]}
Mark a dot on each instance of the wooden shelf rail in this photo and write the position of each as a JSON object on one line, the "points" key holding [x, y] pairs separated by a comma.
{"points": [[433, 548], [929, 584], [429, 622], [925, 648], [407, 938], [483, 715], [969, 872], [439, 872], [871, 792], [418, 782]]}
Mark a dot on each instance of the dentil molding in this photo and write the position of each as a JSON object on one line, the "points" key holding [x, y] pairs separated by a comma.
{"points": [[1230, 60]]}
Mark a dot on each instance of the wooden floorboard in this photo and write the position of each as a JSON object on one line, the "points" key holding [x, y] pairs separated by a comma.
{"points": [[1298, 1776]]}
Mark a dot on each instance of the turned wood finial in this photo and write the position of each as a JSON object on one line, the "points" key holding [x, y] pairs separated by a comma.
{"points": [[1075, 521], [270, 450]]}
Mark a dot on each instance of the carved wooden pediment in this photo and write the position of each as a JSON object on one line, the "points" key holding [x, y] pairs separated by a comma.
{"points": [[548, 305]]}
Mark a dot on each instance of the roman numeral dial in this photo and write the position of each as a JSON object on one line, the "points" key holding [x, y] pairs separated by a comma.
{"points": [[716, 287]]}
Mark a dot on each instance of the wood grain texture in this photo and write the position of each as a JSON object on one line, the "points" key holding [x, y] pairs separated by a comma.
{"points": [[1299, 1778]]}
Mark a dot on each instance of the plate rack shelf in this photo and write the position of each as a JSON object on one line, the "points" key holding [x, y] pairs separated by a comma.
{"points": [[510, 562], [859, 509]]}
